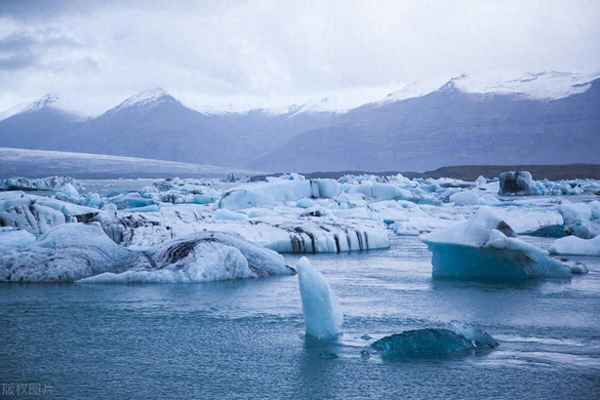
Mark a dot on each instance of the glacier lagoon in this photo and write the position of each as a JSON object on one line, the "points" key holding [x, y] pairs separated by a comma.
{"points": [[245, 338]]}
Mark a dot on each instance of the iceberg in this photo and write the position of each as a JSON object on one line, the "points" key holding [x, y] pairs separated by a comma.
{"points": [[323, 318], [434, 343], [486, 248], [37, 214], [65, 253], [572, 245], [581, 219], [517, 182], [471, 198], [203, 257]]}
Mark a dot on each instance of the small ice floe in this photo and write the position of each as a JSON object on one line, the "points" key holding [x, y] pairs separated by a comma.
{"points": [[581, 219], [436, 343], [572, 245], [486, 248], [323, 318]]}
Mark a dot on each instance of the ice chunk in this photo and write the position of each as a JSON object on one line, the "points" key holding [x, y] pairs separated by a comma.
{"points": [[433, 343], [67, 252], [131, 200], [328, 188], [52, 183], [266, 194], [572, 245], [28, 214], [517, 182], [484, 248], [207, 256], [581, 219], [323, 318]]}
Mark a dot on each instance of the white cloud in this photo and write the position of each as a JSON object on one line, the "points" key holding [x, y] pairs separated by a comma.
{"points": [[270, 52]]}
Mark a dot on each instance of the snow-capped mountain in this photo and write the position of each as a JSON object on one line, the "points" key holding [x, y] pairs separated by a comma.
{"points": [[454, 126], [38, 125], [549, 85], [47, 101], [539, 117]]}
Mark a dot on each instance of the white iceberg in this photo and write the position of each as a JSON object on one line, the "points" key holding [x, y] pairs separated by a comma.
{"points": [[581, 219], [485, 248], [67, 252], [471, 198], [323, 318], [38, 214], [203, 257], [572, 245]]}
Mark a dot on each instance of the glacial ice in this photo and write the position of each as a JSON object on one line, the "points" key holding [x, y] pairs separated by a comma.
{"points": [[207, 256], [486, 248], [572, 245], [11, 237], [517, 182], [434, 343], [471, 198], [323, 318], [225, 214], [581, 219], [291, 214], [67, 252]]}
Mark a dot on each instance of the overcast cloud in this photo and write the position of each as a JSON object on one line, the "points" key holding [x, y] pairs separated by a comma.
{"points": [[267, 53]]}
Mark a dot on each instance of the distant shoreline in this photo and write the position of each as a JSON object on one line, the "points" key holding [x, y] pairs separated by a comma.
{"points": [[472, 172]]}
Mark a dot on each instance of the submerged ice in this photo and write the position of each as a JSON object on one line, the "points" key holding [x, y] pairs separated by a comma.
{"points": [[434, 343]]}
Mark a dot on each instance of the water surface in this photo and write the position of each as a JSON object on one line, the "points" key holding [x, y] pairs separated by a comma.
{"points": [[244, 339]]}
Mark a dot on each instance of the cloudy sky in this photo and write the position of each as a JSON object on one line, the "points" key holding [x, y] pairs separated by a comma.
{"points": [[93, 54]]}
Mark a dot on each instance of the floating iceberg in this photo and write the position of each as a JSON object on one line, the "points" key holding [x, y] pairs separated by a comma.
{"points": [[322, 316], [572, 245], [581, 219], [52, 184], [67, 252], [433, 343], [207, 256], [517, 182], [471, 198], [485, 248]]}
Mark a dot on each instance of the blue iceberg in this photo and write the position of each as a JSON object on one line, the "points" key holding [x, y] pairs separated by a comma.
{"points": [[434, 343], [486, 248]]}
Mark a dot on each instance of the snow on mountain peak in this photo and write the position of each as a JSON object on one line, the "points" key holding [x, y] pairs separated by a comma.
{"points": [[146, 97], [538, 85], [48, 100]]}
